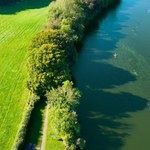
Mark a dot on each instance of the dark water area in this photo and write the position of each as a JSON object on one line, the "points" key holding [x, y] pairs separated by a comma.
{"points": [[112, 72]]}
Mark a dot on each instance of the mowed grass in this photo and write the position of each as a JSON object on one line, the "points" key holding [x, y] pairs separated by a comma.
{"points": [[53, 141], [19, 23]]}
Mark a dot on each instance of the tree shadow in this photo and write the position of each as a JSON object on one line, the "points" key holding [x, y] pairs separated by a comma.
{"points": [[102, 113], [36, 122], [109, 34], [23, 5], [104, 35], [102, 76]]}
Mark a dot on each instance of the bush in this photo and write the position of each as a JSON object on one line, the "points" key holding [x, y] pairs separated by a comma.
{"points": [[20, 137], [63, 102]]}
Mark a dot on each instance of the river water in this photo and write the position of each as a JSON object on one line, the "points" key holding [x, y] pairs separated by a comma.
{"points": [[113, 74]]}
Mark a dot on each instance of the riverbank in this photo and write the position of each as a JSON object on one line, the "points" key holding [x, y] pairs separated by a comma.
{"points": [[114, 106], [52, 51]]}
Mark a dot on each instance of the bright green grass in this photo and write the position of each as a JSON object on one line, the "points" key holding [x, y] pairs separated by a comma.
{"points": [[19, 23], [52, 141]]}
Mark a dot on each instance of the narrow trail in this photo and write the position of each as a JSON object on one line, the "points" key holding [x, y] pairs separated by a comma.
{"points": [[45, 128]]}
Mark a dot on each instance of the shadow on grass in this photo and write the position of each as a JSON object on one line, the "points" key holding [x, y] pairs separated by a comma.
{"points": [[34, 132], [23, 5]]}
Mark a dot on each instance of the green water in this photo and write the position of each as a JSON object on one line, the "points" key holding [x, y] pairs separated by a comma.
{"points": [[113, 73]]}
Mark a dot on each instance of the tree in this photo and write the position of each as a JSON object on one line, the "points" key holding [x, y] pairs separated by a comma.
{"points": [[47, 68], [55, 37], [63, 102]]}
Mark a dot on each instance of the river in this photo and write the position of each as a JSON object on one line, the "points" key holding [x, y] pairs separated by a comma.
{"points": [[113, 74]]}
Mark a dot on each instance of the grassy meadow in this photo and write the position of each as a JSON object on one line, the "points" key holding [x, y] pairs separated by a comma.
{"points": [[19, 23], [52, 142]]}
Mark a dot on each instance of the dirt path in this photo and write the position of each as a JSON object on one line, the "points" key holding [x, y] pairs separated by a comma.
{"points": [[45, 128]]}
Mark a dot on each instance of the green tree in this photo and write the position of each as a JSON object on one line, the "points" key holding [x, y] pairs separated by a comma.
{"points": [[63, 102], [56, 37], [47, 68], [64, 96]]}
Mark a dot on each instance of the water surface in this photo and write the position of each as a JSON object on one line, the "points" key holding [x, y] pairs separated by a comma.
{"points": [[113, 73]]}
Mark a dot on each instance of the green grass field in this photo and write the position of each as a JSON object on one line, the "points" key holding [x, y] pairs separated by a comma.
{"points": [[52, 141], [19, 23]]}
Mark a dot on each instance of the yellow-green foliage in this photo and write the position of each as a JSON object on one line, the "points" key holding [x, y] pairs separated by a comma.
{"points": [[65, 29], [48, 68], [63, 102]]}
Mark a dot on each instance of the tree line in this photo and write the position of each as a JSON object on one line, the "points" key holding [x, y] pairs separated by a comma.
{"points": [[50, 58]]}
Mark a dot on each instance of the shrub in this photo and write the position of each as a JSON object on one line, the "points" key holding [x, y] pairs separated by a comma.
{"points": [[20, 137], [63, 101]]}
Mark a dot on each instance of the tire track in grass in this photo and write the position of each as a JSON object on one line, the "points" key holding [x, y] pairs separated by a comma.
{"points": [[21, 31], [9, 96], [10, 104], [14, 85]]}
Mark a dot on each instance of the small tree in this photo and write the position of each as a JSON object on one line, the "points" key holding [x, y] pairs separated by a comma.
{"points": [[63, 101], [64, 96]]}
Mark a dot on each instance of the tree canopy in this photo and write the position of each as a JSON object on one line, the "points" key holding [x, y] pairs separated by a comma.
{"points": [[63, 102], [48, 68]]}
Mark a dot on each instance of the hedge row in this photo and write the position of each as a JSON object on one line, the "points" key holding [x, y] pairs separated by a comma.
{"points": [[20, 137]]}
